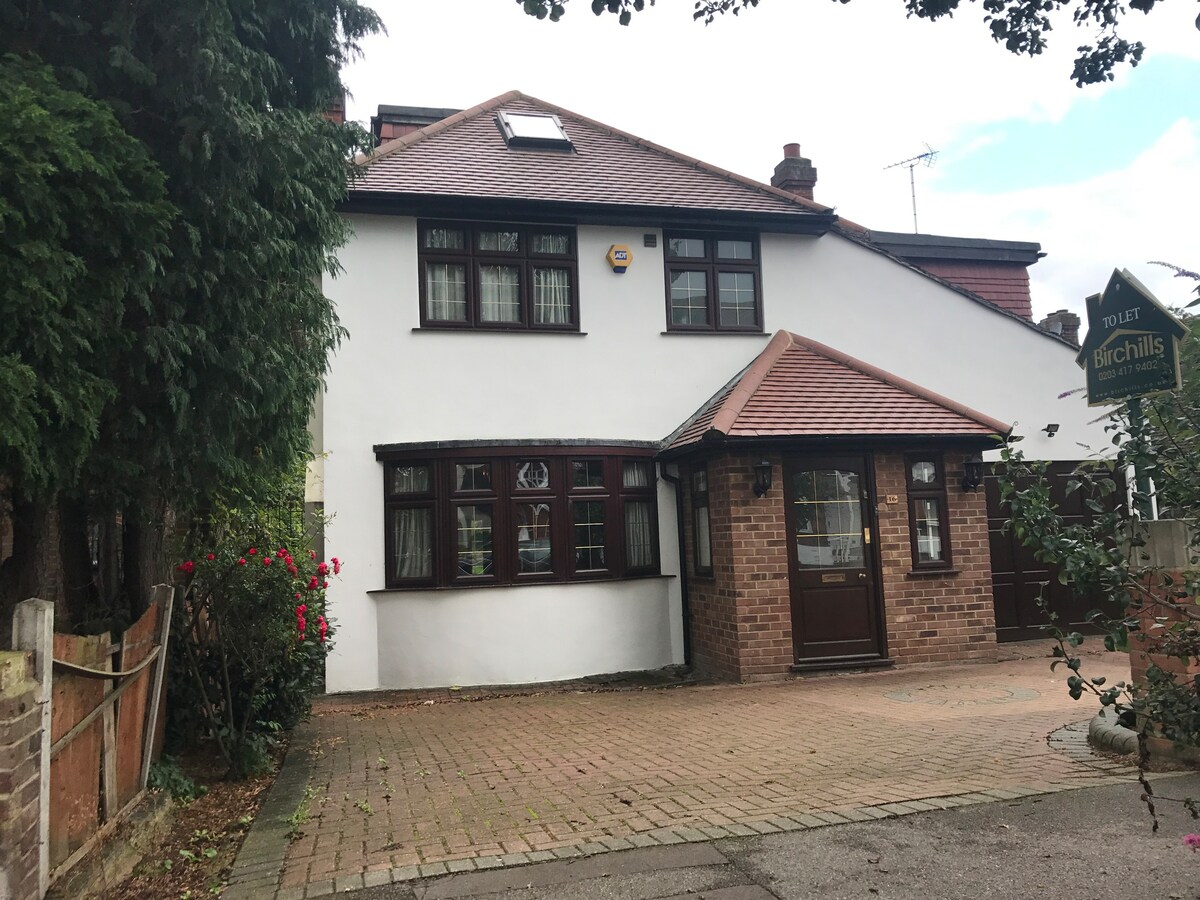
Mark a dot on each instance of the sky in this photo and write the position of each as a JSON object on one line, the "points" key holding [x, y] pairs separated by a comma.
{"points": [[1105, 176]]}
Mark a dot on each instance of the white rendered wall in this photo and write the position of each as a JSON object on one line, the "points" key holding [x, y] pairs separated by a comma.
{"points": [[622, 380]]}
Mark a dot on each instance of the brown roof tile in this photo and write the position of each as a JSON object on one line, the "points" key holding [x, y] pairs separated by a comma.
{"points": [[800, 388], [465, 155]]}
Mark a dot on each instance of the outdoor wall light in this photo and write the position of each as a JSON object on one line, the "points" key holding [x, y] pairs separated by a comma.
{"points": [[972, 473], [1051, 429], [762, 477]]}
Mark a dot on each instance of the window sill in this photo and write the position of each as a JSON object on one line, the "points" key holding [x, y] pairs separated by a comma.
{"points": [[493, 587], [933, 573], [515, 331], [756, 334]]}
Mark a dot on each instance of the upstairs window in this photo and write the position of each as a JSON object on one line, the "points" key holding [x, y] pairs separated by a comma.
{"points": [[498, 277], [713, 283], [928, 528]]}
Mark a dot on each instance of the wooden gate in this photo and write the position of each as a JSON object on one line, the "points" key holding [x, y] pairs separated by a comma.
{"points": [[1019, 578], [104, 710]]}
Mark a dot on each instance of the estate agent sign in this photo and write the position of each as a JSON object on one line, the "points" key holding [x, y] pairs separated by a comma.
{"points": [[1132, 343]]}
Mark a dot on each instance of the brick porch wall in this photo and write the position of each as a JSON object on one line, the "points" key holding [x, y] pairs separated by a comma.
{"points": [[713, 598], [741, 615], [935, 617]]}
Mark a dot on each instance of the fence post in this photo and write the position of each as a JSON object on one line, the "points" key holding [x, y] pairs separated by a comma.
{"points": [[164, 596], [33, 629]]}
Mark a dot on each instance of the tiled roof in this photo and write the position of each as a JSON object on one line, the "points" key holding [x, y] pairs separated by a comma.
{"points": [[465, 155], [800, 388]]}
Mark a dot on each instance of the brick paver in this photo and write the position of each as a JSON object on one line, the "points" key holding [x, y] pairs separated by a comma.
{"points": [[429, 787]]}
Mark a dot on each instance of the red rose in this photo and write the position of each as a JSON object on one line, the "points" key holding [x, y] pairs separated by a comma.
{"points": [[288, 559], [302, 608], [242, 561], [323, 569], [324, 584], [211, 557], [337, 568], [313, 582], [312, 554], [297, 596], [266, 560], [293, 571], [252, 550]]}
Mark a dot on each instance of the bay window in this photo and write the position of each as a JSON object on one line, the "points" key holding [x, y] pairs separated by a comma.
{"points": [[516, 515]]}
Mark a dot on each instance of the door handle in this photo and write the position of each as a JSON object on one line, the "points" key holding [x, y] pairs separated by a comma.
{"points": [[862, 576]]}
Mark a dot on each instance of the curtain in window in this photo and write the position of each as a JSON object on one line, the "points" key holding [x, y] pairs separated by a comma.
{"points": [[635, 474], [446, 292], [413, 540], [551, 296], [499, 294], [639, 536]]}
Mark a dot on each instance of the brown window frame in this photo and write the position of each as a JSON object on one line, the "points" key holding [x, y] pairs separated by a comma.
{"points": [[505, 496], [471, 258], [700, 500], [935, 491], [712, 266]]}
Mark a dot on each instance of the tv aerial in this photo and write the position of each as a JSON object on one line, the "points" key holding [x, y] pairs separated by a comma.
{"points": [[925, 159]]}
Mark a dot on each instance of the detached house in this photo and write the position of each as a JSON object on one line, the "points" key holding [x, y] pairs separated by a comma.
{"points": [[604, 407]]}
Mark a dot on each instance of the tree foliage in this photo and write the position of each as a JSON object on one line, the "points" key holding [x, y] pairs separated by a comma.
{"points": [[1103, 561], [1020, 25], [175, 332]]}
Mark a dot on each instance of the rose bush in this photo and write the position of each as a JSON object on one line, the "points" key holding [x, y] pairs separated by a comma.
{"points": [[250, 634]]}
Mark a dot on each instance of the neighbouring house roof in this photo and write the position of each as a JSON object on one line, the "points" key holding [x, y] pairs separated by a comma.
{"points": [[800, 388], [465, 155], [995, 270]]}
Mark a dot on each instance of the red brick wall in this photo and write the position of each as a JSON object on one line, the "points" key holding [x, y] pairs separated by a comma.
{"points": [[1143, 643], [935, 617], [20, 776], [741, 615]]}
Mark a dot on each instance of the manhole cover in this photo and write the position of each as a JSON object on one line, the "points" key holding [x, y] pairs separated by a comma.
{"points": [[964, 695]]}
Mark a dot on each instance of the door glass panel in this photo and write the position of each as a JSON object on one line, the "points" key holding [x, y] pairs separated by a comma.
{"points": [[827, 508]]}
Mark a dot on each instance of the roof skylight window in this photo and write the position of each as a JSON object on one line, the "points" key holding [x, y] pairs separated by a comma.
{"points": [[534, 131]]}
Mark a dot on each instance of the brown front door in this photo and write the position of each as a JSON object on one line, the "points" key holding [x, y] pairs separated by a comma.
{"points": [[834, 586]]}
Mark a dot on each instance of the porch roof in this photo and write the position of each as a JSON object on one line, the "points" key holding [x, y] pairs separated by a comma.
{"points": [[798, 387]]}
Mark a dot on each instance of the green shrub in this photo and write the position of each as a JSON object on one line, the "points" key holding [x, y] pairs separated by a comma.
{"points": [[250, 633]]}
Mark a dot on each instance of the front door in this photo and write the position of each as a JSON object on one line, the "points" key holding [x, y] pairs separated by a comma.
{"points": [[836, 612]]}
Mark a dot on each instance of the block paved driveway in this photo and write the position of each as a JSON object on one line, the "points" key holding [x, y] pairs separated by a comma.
{"points": [[452, 784]]}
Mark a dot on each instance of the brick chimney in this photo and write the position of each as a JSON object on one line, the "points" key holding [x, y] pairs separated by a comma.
{"points": [[1064, 323], [795, 174], [336, 111], [396, 121]]}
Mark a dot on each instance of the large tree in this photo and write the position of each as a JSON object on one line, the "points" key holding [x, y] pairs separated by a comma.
{"points": [[1021, 25], [167, 216]]}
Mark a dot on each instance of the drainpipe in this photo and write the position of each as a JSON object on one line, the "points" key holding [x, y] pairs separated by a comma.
{"points": [[675, 481]]}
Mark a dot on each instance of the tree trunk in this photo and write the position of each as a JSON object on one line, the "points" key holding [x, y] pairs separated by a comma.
{"points": [[145, 528], [34, 569], [77, 574]]}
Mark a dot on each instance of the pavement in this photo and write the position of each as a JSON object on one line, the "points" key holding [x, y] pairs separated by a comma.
{"points": [[1093, 844], [387, 790]]}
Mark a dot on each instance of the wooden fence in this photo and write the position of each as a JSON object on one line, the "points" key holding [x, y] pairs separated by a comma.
{"points": [[104, 699]]}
